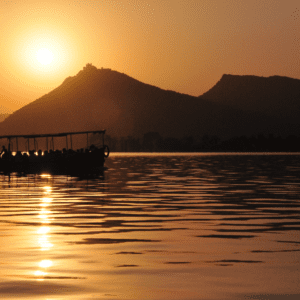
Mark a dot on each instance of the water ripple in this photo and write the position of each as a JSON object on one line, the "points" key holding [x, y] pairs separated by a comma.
{"points": [[150, 218]]}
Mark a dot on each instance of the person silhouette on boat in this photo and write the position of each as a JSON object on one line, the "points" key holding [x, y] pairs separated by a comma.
{"points": [[4, 153]]}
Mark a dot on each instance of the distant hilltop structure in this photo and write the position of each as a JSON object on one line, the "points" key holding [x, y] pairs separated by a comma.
{"points": [[89, 67]]}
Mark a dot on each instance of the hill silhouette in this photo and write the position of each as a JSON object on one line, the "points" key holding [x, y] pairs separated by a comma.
{"points": [[274, 96], [3, 117], [106, 99]]}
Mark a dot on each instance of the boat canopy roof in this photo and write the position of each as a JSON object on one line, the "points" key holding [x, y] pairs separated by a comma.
{"points": [[50, 135]]}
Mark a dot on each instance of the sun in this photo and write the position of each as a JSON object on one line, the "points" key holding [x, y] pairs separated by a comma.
{"points": [[44, 56]]}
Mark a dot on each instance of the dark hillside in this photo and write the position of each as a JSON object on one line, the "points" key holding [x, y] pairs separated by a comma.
{"points": [[105, 99], [275, 96], [3, 117]]}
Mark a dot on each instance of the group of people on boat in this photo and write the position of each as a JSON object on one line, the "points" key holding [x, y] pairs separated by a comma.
{"points": [[65, 159]]}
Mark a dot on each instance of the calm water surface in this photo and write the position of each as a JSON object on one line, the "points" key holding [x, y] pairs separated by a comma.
{"points": [[155, 227]]}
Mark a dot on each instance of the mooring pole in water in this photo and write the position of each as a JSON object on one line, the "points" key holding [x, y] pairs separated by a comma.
{"points": [[28, 145], [67, 141], [71, 141], [52, 143]]}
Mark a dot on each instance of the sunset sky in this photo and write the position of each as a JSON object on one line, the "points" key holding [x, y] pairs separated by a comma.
{"points": [[180, 45]]}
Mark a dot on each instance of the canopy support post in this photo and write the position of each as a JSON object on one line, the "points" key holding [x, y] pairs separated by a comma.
{"points": [[67, 142], [9, 145]]}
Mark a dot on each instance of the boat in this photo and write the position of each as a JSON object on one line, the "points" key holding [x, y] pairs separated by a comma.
{"points": [[87, 160]]}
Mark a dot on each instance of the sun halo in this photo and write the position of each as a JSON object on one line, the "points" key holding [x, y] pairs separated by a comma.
{"points": [[41, 55], [44, 55]]}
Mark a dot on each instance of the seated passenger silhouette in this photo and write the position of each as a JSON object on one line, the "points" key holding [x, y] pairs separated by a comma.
{"points": [[4, 153]]}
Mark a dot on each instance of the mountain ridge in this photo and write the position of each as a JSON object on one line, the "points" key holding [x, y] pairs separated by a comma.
{"points": [[277, 96], [106, 99]]}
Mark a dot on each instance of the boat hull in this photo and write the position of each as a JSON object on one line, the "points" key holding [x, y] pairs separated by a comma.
{"points": [[56, 163]]}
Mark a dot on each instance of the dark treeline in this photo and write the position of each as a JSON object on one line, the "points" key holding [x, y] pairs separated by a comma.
{"points": [[153, 142]]}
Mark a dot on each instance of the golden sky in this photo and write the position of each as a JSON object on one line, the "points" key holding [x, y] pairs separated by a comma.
{"points": [[180, 45]]}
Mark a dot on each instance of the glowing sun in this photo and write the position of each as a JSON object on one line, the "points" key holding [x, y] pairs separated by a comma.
{"points": [[44, 56]]}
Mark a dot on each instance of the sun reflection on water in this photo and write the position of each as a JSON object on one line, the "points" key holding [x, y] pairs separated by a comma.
{"points": [[43, 214], [47, 189], [44, 243], [46, 201], [46, 263], [43, 232], [40, 274]]}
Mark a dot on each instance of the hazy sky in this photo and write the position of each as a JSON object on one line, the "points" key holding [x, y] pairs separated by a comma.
{"points": [[180, 45]]}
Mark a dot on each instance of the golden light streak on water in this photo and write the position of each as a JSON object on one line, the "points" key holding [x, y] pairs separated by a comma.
{"points": [[47, 189], [40, 275], [45, 175], [43, 230], [46, 201], [44, 243], [43, 214], [45, 263]]}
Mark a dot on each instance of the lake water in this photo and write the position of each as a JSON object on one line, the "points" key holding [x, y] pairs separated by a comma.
{"points": [[203, 226]]}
